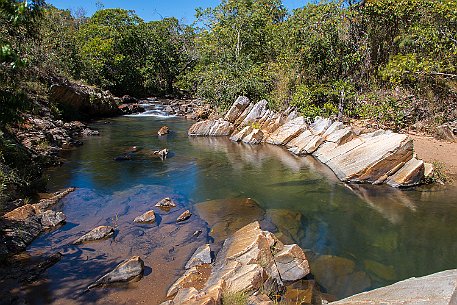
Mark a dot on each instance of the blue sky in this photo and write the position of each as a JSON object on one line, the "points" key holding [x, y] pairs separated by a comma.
{"points": [[154, 9]]}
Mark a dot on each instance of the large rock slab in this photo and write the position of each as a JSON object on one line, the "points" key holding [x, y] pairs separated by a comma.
{"points": [[211, 128], [287, 132], [437, 289], [124, 272], [375, 157], [237, 109]]}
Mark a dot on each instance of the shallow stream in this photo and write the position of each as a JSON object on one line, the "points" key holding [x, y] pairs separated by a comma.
{"points": [[357, 239]]}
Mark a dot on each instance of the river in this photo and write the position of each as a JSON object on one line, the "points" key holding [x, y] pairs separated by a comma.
{"points": [[356, 238]]}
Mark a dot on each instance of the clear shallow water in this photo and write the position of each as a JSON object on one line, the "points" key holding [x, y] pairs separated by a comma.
{"points": [[359, 238]]}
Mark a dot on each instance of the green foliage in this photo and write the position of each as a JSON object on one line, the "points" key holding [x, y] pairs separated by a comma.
{"points": [[234, 298]]}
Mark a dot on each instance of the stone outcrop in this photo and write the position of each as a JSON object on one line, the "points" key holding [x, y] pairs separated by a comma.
{"points": [[100, 232], [376, 158], [250, 260], [211, 128], [23, 224], [124, 272], [437, 289], [81, 101]]}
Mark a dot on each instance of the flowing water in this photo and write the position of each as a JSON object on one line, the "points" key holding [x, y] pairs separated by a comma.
{"points": [[357, 238]]}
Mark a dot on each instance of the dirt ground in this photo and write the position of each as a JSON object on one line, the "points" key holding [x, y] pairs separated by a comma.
{"points": [[430, 149]]}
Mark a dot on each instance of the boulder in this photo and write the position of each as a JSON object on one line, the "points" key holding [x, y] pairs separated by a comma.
{"points": [[211, 128], [292, 263], [163, 130], [51, 218], [184, 216], [287, 132], [201, 256], [124, 272], [374, 158], [166, 203], [147, 217], [410, 174], [98, 233], [237, 109], [437, 289]]}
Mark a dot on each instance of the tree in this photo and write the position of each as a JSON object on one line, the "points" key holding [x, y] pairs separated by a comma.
{"points": [[109, 49]]}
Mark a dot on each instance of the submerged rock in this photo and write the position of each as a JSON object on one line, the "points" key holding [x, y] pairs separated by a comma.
{"points": [[184, 216], [163, 153], [163, 131], [166, 203], [98, 233], [124, 272], [147, 217], [124, 157]]}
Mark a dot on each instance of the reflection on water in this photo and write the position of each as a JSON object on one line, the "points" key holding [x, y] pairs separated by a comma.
{"points": [[358, 237]]}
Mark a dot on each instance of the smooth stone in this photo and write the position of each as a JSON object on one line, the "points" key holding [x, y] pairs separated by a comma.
{"points": [[149, 216], [51, 218], [372, 159], [124, 272], [166, 203], [437, 289], [98, 233], [201, 256], [184, 216]]}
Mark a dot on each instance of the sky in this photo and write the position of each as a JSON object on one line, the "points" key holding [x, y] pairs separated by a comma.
{"points": [[150, 10]]}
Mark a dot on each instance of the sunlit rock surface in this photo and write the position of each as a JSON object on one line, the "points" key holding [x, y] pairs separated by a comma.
{"points": [[376, 158], [437, 289]]}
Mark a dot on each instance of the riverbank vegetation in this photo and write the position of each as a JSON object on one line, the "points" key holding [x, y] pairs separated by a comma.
{"points": [[390, 62]]}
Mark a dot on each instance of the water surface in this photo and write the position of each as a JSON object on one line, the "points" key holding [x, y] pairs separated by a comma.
{"points": [[358, 237]]}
